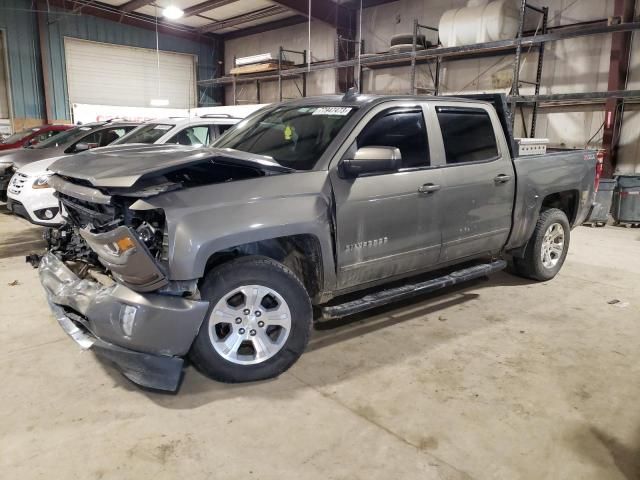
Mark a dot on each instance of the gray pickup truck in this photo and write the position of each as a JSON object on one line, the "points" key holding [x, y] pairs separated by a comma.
{"points": [[315, 208]]}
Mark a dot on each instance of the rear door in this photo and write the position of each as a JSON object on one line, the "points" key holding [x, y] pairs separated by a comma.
{"points": [[387, 223], [478, 180]]}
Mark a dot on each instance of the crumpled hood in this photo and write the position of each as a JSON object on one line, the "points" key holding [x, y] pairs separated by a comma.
{"points": [[122, 166], [22, 156]]}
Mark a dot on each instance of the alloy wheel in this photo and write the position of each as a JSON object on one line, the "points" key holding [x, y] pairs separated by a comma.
{"points": [[250, 324], [552, 245]]}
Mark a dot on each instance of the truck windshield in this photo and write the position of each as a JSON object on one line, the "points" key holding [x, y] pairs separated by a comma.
{"points": [[148, 133], [295, 137]]}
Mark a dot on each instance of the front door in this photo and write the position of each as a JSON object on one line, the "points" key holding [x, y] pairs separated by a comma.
{"points": [[478, 182], [387, 222]]}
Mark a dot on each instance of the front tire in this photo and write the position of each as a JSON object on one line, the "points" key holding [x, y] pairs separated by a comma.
{"points": [[547, 248], [258, 324]]}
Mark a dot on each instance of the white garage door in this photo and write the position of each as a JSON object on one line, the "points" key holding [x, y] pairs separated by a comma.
{"points": [[107, 74]]}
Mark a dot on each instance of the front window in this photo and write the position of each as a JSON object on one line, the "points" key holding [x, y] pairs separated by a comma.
{"points": [[148, 133], [100, 138], [402, 128], [294, 137], [67, 136]]}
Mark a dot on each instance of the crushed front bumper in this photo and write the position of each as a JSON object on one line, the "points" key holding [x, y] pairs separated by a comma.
{"points": [[145, 335]]}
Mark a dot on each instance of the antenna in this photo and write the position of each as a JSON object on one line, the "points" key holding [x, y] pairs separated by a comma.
{"points": [[351, 95]]}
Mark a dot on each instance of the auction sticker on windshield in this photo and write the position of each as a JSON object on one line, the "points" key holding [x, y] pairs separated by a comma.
{"points": [[340, 111]]}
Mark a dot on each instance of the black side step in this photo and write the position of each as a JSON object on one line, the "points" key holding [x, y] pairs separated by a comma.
{"points": [[406, 291]]}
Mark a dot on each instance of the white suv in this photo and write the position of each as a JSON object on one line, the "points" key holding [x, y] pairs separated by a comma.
{"points": [[29, 186], [201, 131]]}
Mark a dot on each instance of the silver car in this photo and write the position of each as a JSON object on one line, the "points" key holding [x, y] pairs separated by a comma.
{"points": [[69, 142]]}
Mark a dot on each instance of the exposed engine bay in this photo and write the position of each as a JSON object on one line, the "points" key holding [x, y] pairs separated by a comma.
{"points": [[98, 218], [104, 233]]}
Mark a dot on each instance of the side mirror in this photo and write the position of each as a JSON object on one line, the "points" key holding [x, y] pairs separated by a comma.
{"points": [[372, 160], [81, 147]]}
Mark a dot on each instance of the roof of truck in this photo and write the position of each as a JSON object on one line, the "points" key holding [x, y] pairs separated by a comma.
{"points": [[360, 99]]}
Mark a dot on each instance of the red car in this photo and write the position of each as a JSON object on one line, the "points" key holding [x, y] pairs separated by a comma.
{"points": [[32, 135]]}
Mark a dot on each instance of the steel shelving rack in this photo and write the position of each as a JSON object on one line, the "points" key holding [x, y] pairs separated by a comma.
{"points": [[439, 54]]}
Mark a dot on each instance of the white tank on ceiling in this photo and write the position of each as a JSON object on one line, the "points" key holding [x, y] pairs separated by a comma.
{"points": [[480, 21]]}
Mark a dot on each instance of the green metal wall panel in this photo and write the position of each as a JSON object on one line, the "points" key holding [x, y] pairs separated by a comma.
{"points": [[23, 50], [19, 21]]}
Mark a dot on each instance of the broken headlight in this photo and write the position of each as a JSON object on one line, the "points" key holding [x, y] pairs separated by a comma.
{"points": [[41, 182]]}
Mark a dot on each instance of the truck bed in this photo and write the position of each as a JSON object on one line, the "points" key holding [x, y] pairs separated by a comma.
{"points": [[538, 175]]}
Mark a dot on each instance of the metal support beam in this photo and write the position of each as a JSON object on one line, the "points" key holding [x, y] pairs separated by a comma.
{"points": [[265, 27], [304, 75], [266, 12], [534, 113], [280, 54], [618, 75], [234, 90], [108, 12], [413, 57], [581, 97], [45, 58], [346, 46], [325, 11], [515, 88], [206, 6], [134, 5]]}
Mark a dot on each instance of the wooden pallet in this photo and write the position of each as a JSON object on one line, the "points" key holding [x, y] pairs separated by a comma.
{"points": [[259, 67]]}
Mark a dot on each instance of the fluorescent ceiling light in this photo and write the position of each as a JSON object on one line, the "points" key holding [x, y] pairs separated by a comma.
{"points": [[172, 12], [159, 102]]}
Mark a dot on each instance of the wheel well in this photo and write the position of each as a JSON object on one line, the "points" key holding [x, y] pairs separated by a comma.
{"points": [[566, 201], [300, 253]]}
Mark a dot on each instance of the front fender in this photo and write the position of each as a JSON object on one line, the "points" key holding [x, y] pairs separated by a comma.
{"points": [[204, 220]]}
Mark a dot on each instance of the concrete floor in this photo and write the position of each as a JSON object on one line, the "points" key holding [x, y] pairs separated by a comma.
{"points": [[501, 379]]}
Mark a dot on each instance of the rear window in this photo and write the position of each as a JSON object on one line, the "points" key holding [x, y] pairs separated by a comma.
{"points": [[224, 128], [148, 133], [467, 134]]}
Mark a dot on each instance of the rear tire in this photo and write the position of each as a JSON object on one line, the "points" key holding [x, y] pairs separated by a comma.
{"points": [[258, 323], [547, 248]]}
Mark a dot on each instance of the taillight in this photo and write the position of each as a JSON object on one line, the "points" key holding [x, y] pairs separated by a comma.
{"points": [[599, 168]]}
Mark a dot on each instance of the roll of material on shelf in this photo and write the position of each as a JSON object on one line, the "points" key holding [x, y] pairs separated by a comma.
{"points": [[407, 38]]}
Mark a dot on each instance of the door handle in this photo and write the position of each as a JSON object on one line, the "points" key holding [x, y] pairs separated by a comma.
{"points": [[428, 188], [502, 178]]}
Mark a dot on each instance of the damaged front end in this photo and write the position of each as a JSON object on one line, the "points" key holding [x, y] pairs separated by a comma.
{"points": [[106, 282], [106, 272]]}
